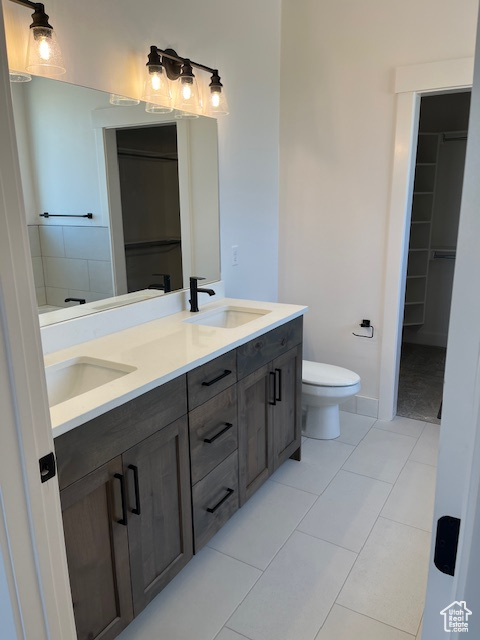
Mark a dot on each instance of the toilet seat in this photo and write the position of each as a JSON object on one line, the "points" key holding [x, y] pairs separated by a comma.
{"points": [[327, 375]]}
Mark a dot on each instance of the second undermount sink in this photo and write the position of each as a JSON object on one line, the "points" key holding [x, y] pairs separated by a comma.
{"points": [[71, 378], [227, 317]]}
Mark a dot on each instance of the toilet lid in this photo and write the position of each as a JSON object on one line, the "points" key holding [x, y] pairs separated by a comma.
{"points": [[328, 375]]}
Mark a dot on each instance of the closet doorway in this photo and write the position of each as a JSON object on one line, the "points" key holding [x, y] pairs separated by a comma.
{"points": [[436, 199]]}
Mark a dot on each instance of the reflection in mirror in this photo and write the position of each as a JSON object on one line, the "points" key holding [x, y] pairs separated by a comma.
{"points": [[150, 183]]}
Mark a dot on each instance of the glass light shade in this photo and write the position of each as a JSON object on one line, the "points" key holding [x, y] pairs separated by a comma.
{"points": [[156, 90], [187, 98], [19, 76], [44, 57], [123, 101], [217, 104]]}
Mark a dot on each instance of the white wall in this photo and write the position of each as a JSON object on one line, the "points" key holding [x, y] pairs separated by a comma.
{"points": [[336, 139], [105, 47]]}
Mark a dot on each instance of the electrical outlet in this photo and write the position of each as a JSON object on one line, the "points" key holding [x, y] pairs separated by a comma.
{"points": [[234, 255]]}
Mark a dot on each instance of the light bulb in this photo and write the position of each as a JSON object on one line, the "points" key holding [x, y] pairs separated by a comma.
{"points": [[44, 49], [186, 91], [155, 80], [215, 99]]}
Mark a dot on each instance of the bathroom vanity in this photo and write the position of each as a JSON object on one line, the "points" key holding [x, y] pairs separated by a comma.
{"points": [[144, 485]]}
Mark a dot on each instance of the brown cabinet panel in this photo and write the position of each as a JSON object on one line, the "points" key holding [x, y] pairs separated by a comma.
{"points": [[215, 500], [97, 554], [207, 381], [213, 432], [255, 430], [265, 348], [160, 536], [287, 411], [85, 448]]}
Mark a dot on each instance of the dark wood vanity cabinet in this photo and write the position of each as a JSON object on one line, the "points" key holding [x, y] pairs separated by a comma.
{"points": [[97, 553], [127, 523], [159, 504], [145, 484], [269, 404]]}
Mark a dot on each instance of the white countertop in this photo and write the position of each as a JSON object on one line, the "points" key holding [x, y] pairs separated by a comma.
{"points": [[160, 351]]}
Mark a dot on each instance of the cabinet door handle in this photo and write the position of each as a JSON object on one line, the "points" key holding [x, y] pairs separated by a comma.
{"points": [[226, 373], [219, 504], [228, 425], [273, 377], [137, 510], [278, 396], [123, 519]]}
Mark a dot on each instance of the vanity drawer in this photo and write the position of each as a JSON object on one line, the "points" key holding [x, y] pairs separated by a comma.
{"points": [[256, 353], [215, 500], [213, 432], [206, 381], [94, 443]]}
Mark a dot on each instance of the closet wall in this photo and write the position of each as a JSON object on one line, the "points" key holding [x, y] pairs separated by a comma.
{"points": [[435, 214]]}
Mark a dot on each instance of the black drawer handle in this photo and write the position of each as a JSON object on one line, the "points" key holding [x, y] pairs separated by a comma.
{"points": [[273, 377], [228, 425], [219, 504], [137, 510], [123, 519], [278, 397], [226, 373]]}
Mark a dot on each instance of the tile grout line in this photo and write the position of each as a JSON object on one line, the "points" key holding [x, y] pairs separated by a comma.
{"points": [[390, 626]]}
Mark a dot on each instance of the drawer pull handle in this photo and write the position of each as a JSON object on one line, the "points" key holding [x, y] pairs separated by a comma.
{"points": [[123, 519], [228, 425], [137, 510], [283, 342], [219, 504], [226, 373], [278, 397], [273, 376]]}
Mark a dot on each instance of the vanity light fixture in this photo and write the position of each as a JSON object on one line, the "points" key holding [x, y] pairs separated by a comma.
{"points": [[123, 101], [171, 84], [44, 57]]}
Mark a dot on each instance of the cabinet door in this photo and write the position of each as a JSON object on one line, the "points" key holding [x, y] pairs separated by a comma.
{"points": [[255, 395], [97, 553], [287, 410], [159, 504]]}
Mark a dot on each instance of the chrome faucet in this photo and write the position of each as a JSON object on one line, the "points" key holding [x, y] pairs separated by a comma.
{"points": [[195, 290]]}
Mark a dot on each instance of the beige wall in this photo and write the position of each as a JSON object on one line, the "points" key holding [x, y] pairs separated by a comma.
{"points": [[336, 140]]}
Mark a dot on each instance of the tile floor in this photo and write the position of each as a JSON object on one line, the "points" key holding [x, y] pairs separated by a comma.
{"points": [[420, 385], [334, 547]]}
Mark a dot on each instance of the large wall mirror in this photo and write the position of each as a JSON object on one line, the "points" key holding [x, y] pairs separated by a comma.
{"points": [[131, 198]]}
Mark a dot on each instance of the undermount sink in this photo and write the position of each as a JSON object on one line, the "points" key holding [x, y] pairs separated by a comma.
{"points": [[227, 317], [71, 378]]}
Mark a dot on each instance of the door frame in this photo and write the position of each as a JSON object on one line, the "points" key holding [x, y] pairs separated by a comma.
{"points": [[33, 566], [411, 83]]}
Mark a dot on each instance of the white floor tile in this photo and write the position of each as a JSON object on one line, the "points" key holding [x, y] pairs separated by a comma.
{"points": [[228, 634], [294, 595], [353, 427], [346, 512], [321, 460], [399, 424], [389, 578], [258, 530], [198, 602], [411, 500], [426, 449], [343, 624], [381, 455]]}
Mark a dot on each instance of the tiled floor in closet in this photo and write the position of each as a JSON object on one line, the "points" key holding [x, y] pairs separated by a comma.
{"points": [[335, 547]]}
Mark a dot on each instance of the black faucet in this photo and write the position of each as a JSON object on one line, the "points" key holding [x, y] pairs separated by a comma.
{"points": [[167, 283], [80, 300], [195, 290]]}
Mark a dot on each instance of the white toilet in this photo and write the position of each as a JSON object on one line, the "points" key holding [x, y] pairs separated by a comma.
{"points": [[324, 387]]}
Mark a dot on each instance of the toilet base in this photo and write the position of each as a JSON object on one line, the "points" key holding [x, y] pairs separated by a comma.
{"points": [[322, 423]]}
